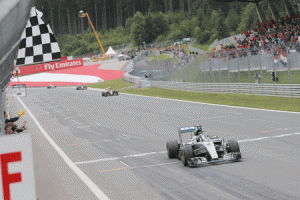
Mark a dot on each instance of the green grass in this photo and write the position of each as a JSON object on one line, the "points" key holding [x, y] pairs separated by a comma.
{"points": [[161, 57], [203, 47], [115, 84], [243, 100]]}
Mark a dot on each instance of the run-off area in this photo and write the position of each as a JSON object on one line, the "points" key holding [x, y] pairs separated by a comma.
{"points": [[119, 143]]}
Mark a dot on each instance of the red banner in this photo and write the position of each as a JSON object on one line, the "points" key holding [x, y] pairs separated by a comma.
{"points": [[33, 69]]}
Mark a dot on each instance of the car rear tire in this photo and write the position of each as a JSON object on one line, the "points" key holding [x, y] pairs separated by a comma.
{"points": [[172, 148], [232, 146], [187, 153]]}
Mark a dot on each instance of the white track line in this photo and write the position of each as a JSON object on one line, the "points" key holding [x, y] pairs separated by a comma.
{"points": [[89, 183], [264, 138], [154, 153], [117, 158], [124, 164]]}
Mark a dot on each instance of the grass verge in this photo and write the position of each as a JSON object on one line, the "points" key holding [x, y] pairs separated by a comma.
{"points": [[161, 57], [203, 47], [250, 101], [115, 84]]}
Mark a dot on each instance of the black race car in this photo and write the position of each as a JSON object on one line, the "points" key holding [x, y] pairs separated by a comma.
{"points": [[51, 86], [81, 87], [109, 92]]}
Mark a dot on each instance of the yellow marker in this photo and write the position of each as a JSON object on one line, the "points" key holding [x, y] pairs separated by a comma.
{"points": [[21, 113]]}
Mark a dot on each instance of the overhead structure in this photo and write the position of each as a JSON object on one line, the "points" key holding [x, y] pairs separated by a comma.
{"points": [[82, 14]]}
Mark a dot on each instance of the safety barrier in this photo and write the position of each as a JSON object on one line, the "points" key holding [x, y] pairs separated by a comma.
{"points": [[280, 90], [141, 82]]}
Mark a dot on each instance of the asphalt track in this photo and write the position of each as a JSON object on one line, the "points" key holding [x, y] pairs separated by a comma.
{"points": [[119, 143]]}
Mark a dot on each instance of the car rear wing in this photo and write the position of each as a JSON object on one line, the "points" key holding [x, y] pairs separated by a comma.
{"points": [[185, 130]]}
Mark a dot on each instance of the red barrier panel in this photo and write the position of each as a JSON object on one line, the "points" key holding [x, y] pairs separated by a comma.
{"points": [[65, 64]]}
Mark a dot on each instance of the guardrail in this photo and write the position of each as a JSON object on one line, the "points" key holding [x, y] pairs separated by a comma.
{"points": [[141, 82], [280, 90]]}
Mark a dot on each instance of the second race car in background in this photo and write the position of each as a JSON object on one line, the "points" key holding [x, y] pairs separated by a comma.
{"points": [[109, 92], [81, 87], [51, 86]]}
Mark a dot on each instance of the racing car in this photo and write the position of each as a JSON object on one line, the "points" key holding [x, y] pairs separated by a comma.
{"points": [[109, 92], [51, 86], [200, 149], [81, 87]]}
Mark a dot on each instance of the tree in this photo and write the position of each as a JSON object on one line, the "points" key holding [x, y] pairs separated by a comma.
{"points": [[220, 26], [247, 18], [232, 21], [138, 29], [156, 25]]}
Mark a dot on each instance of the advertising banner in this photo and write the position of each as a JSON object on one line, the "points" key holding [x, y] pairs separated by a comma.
{"points": [[17, 170], [45, 67]]}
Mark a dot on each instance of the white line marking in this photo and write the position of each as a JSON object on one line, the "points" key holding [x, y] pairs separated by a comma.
{"points": [[88, 182], [264, 138], [211, 104], [154, 153], [117, 158], [125, 164], [83, 127], [69, 117], [159, 164]]}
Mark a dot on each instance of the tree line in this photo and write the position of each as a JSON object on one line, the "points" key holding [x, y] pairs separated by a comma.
{"points": [[154, 20]]}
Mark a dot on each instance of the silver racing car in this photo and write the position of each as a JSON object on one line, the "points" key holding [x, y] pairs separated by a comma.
{"points": [[51, 86], [200, 149]]}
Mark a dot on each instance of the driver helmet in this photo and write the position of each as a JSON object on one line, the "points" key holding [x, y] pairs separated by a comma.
{"points": [[198, 131]]}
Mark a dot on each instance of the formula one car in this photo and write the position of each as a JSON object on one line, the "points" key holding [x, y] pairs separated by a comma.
{"points": [[81, 87], [51, 86], [109, 92], [200, 149]]}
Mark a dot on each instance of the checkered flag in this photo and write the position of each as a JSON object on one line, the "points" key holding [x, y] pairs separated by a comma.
{"points": [[38, 44]]}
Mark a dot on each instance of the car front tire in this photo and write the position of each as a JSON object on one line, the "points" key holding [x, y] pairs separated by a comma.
{"points": [[187, 154], [232, 146]]}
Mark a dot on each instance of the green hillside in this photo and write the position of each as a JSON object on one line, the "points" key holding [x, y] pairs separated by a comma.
{"points": [[141, 21]]}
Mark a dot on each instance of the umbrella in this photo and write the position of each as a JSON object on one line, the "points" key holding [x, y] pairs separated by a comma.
{"points": [[143, 72]]}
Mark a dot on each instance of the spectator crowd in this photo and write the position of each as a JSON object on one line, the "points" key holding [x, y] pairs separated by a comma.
{"points": [[274, 37], [11, 127]]}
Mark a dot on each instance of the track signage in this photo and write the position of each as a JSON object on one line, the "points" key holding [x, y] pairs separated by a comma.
{"points": [[16, 167]]}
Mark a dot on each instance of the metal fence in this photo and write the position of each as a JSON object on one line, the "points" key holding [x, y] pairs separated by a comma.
{"points": [[224, 41], [252, 65], [282, 90], [270, 64], [164, 70]]}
